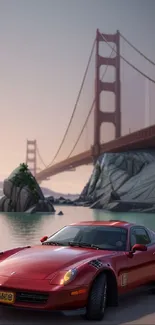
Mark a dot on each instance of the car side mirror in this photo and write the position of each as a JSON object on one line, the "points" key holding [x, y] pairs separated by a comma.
{"points": [[139, 247], [43, 239]]}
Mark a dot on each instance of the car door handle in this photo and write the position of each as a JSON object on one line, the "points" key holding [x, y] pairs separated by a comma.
{"points": [[153, 253]]}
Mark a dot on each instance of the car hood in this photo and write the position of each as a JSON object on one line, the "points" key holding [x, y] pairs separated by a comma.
{"points": [[40, 261]]}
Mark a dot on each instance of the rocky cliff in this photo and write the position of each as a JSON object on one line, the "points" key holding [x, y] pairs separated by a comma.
{"points": [[122, 182]]}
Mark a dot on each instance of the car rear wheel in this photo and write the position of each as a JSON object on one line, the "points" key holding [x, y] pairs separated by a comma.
{"points": [[97, 299]]}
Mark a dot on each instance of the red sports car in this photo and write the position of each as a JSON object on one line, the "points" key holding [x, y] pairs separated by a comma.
{"points": [[83, 265]]}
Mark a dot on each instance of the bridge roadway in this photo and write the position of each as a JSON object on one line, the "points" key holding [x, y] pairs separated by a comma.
{"points": [[144, 138], [134, 309]]}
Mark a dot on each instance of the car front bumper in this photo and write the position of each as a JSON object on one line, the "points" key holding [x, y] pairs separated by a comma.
{"points": [[40, 294]]}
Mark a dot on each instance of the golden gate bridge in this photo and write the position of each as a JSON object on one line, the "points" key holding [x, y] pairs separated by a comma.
{"points": [[143, 138]]}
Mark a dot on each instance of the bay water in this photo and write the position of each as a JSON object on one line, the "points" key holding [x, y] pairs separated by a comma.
{"points": [[19, 229]]}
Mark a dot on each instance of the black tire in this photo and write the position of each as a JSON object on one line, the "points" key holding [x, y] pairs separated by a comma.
{"points": [[96, 305]]}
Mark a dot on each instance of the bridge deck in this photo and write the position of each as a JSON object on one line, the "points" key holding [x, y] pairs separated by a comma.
{"points": [[141, 139]]}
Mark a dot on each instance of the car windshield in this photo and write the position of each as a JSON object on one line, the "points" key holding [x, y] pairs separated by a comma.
{"points": [[101, 237]]}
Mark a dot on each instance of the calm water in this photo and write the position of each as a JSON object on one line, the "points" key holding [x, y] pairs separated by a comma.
{"points": [[18, 229]]}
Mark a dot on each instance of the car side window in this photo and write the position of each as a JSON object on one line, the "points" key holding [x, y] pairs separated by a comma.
{"points": [[139, 236]]}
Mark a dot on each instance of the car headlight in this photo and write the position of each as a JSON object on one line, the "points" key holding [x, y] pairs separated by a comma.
{"points": [[68, 277]]}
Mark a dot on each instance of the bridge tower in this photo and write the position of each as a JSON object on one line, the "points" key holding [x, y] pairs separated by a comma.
{"points": [[31, 156], [100, 116]]}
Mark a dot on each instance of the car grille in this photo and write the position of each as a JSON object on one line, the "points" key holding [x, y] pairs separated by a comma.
{"points": [[31, 297]]}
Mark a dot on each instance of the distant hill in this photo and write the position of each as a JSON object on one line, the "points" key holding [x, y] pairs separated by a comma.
{"points": [[48, 192]]}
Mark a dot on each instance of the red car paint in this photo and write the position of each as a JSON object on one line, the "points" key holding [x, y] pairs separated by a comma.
{"points": [[34, 272]]}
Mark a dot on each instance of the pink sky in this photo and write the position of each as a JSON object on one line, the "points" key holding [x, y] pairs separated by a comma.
{"points": [[45, 46]]}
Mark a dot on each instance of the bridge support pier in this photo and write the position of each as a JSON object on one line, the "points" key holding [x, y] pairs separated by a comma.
{"points": [[99, 115]]}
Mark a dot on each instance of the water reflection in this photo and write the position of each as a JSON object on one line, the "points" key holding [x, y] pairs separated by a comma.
{"points": [[18, 229], [24, 228]]}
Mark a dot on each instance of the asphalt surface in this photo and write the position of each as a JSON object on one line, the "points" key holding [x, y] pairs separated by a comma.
{"points": [[134, 309]]}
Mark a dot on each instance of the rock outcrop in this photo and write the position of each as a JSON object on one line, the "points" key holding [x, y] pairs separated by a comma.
{"points": [[122, 182], [23, 194]]}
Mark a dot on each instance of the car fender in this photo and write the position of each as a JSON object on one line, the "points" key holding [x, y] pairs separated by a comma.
{"points": [[102, 266], [88, 271]]}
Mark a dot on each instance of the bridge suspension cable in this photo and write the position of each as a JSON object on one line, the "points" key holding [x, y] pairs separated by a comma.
{"points": [[76, 103], [136, 49], [129, 63], [40, 157], [90, 111]]}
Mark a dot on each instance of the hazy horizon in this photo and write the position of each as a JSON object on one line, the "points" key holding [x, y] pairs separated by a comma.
{"points": [[45, 46]]}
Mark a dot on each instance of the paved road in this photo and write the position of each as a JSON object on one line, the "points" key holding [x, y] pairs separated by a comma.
{"points": [[137, 309]]}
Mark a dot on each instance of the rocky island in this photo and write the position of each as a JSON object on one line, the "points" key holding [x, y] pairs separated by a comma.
{"points": [[23, 194]]}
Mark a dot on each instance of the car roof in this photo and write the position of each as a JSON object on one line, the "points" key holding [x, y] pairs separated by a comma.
{"points": [[111, 223]]}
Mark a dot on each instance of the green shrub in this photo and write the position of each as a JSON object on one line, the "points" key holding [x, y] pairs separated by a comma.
{"points": [[23, 177]]}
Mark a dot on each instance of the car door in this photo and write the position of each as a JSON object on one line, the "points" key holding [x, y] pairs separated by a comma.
{"points": [[151, 251], [141, 264]]}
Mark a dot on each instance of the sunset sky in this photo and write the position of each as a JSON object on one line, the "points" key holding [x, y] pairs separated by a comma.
{"points": [[45, 46]]}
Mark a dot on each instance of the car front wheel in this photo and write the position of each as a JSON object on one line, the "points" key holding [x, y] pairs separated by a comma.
{"points": [[96, 305]]}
